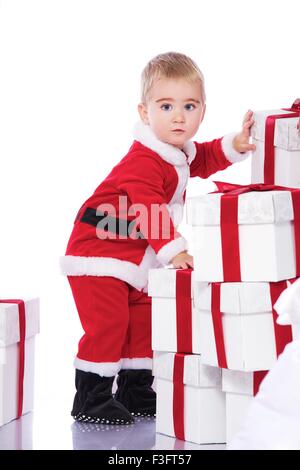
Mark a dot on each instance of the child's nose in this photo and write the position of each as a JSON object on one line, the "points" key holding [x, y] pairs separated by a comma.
{"points": [[178, 116]]}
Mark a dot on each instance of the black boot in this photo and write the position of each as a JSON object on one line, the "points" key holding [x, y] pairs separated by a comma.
{"points": [[135, 392], [94, 402]]}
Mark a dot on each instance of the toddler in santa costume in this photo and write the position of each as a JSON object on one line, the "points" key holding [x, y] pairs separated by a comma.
{"points": [[128, 226]]}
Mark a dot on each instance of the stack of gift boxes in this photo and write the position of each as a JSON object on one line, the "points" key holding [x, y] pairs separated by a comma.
{"points": [[19, 323], [214, 329]]}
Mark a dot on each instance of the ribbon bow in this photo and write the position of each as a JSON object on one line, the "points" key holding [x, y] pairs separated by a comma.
{"points": [[269, 163], [296, 104]]}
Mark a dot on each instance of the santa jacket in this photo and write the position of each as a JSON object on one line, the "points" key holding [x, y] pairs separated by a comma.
{"points": [[152, 173]]}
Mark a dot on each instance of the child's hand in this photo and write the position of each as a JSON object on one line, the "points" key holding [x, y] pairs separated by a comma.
{"points": [[183, 260], [241, 141]]}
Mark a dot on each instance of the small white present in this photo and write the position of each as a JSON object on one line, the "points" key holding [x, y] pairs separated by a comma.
{"points": [[237, 324], [276, 159], [190, 402], [240, 388], [245, 234], [175, 326], [17, 337]]}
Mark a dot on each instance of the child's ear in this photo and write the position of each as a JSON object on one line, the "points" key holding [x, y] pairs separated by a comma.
{"points": [[142, 109]]}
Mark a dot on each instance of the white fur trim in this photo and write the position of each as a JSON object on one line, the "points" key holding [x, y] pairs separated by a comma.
{"points": [[176, 204], [232, 155], [191, 150], [176, 211], [102, 266], [171, 249], [171, 154], [149, 260], [105, 369], [183, 174], [137, 363], [135, 275]]}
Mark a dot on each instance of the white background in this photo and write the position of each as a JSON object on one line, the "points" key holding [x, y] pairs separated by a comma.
{"points": [[69, 89]]}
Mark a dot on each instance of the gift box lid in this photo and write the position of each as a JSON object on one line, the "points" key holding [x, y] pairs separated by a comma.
{"points": [[235, 297], [9, 321], [257, 207], [162, 283], [195, 373], [286, 135], [234, 381]]}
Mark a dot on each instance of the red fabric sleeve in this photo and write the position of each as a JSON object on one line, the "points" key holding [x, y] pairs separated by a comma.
{"points": [[209, 159]]}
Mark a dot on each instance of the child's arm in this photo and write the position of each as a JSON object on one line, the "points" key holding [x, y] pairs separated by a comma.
{"points": [[221, 153], [143, 182]]}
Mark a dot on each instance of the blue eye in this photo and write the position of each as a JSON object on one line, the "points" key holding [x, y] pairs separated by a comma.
{"points": [[166, 107], [189, 106]]}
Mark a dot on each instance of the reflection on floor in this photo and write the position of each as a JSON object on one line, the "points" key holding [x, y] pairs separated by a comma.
{"points": [[18, 435], [137, 436]]}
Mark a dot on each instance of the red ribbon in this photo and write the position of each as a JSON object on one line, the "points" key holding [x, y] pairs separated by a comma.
{"points": [[178, 396], [269, 162], [218, 324], [184, 310], [22, 328], [283, 333], [258, 377], [230, 236], [230, 230]]}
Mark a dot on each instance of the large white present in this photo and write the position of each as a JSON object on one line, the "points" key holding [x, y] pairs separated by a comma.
{"points": [[240, 388], [175, 326], [16, 392], [247, 237], [190, 402], [237, 324], [276, 159]]}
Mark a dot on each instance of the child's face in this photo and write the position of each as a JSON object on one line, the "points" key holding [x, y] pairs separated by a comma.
{"points": [[174, 110]]}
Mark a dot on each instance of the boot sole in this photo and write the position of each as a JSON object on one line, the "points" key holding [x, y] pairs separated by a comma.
{"points": [[146, 415], [89, 419]]}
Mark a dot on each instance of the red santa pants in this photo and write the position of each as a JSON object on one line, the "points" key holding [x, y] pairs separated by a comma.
{"points": [[116, 319]]}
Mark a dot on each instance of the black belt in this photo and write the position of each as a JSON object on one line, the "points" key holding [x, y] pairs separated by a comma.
{"points": [[118, 226]]}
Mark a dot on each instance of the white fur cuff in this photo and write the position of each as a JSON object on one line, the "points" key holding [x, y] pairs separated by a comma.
{"points": [[232, 155], [105, 369], [171, 249]]}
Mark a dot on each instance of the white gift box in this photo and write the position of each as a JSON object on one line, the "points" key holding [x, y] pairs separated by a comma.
{"points": [[286, 149], [162, 289], [9, 358], [248, 325], [240, 389], [17, 435], [204, 401], [266, 236]]}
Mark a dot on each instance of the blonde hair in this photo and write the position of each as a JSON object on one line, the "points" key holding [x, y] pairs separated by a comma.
{"points": [[170, 65]]}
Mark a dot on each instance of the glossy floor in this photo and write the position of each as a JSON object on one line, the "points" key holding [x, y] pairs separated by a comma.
{"points": [[49, 431]]}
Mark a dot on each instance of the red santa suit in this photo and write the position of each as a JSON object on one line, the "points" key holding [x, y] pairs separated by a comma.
{"points": [[107, 266]]}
